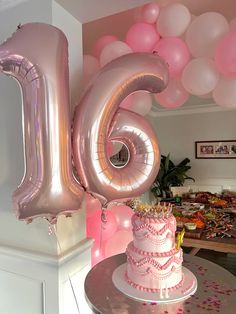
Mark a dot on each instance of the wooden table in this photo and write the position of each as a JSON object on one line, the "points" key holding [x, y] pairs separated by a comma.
{"points": [[226, 245]]}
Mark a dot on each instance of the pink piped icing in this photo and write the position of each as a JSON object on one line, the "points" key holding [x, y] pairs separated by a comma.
{"points": [[142, 288], [159, 276], [132, 248], [152, 230], [153, 262], [153, 219]]}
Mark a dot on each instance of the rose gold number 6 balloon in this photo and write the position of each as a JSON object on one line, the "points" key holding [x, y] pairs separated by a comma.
{"points": [[36, 56], [97, 120]]}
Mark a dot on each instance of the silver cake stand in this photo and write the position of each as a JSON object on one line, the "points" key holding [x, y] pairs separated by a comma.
{"points": [[187, 289], [216, 292]]}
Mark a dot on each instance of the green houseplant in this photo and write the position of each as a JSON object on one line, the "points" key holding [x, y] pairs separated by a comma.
{"points": [[170, 175]]}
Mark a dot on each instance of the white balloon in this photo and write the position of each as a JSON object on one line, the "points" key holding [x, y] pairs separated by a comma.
{"points": [[173, 20], [142, 103], [225, 92], [200, 76], [204, 32], [114, 50], [116, 147]]}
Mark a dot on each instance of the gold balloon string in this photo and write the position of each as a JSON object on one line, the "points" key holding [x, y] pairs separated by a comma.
{"points": [[52, 230]]}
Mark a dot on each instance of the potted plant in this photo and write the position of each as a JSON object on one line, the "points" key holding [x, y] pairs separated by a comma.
{"points": [[170, 175]]}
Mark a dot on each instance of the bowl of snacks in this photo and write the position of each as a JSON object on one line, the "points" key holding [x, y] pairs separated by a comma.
{"points": [[190, 226]]}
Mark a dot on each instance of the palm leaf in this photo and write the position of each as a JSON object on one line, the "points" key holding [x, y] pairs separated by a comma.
{"points": [[170, 175]]}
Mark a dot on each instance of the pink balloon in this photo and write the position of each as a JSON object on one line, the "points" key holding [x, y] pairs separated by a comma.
{"points": [[141, 37], [101, 42], [150, 12], [114, 50], [225, 56], [173, 96], [97, 230], [92, 205], [123, 216], [118, 243], [90, 67], [36, 56], [175, 52], [99, 119]]}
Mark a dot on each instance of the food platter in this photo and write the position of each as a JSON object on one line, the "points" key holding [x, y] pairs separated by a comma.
{"points": [[214, 217]]}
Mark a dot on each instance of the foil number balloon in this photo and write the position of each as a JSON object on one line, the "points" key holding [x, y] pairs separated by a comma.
{"points": [[97, 121], [36, 56]]}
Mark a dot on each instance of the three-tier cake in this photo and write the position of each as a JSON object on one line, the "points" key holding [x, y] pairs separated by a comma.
{"points": [[154, 261]]}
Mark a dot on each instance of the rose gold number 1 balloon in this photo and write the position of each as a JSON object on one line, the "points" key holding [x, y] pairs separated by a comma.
{"points": [[36, 56]]}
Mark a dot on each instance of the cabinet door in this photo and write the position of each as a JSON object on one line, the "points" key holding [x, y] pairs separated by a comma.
{"points": [[20, 294]]}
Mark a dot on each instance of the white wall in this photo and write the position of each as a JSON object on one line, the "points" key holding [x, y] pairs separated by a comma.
{"points": [[177, 134], [72, 28]]}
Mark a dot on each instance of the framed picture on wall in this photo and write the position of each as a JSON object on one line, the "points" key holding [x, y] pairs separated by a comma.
{"points": [[225, 149]]}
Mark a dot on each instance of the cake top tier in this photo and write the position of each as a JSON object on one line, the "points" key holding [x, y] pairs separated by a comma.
{"points": [[159, 210]]}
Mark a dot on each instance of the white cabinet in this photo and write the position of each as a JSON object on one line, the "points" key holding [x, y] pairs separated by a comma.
{"points": [[20, 294]]}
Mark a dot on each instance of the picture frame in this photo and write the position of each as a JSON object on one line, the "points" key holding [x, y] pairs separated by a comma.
{"points": [[224, 149]]}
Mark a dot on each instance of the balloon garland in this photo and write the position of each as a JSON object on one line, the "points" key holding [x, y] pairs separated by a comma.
{"points": [[200, 51]]}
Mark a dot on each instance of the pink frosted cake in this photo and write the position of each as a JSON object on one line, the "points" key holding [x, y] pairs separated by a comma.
{"points": [[154, 263]]}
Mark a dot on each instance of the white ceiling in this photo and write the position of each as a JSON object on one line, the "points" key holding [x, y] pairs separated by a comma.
{"points": [[90, 10], [5, 4]]}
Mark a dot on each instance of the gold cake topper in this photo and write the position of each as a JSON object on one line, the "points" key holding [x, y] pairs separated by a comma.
{"points": [[159, 210]]}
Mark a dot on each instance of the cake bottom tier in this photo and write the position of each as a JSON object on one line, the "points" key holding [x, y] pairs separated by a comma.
{"points": [[154, 273]]}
